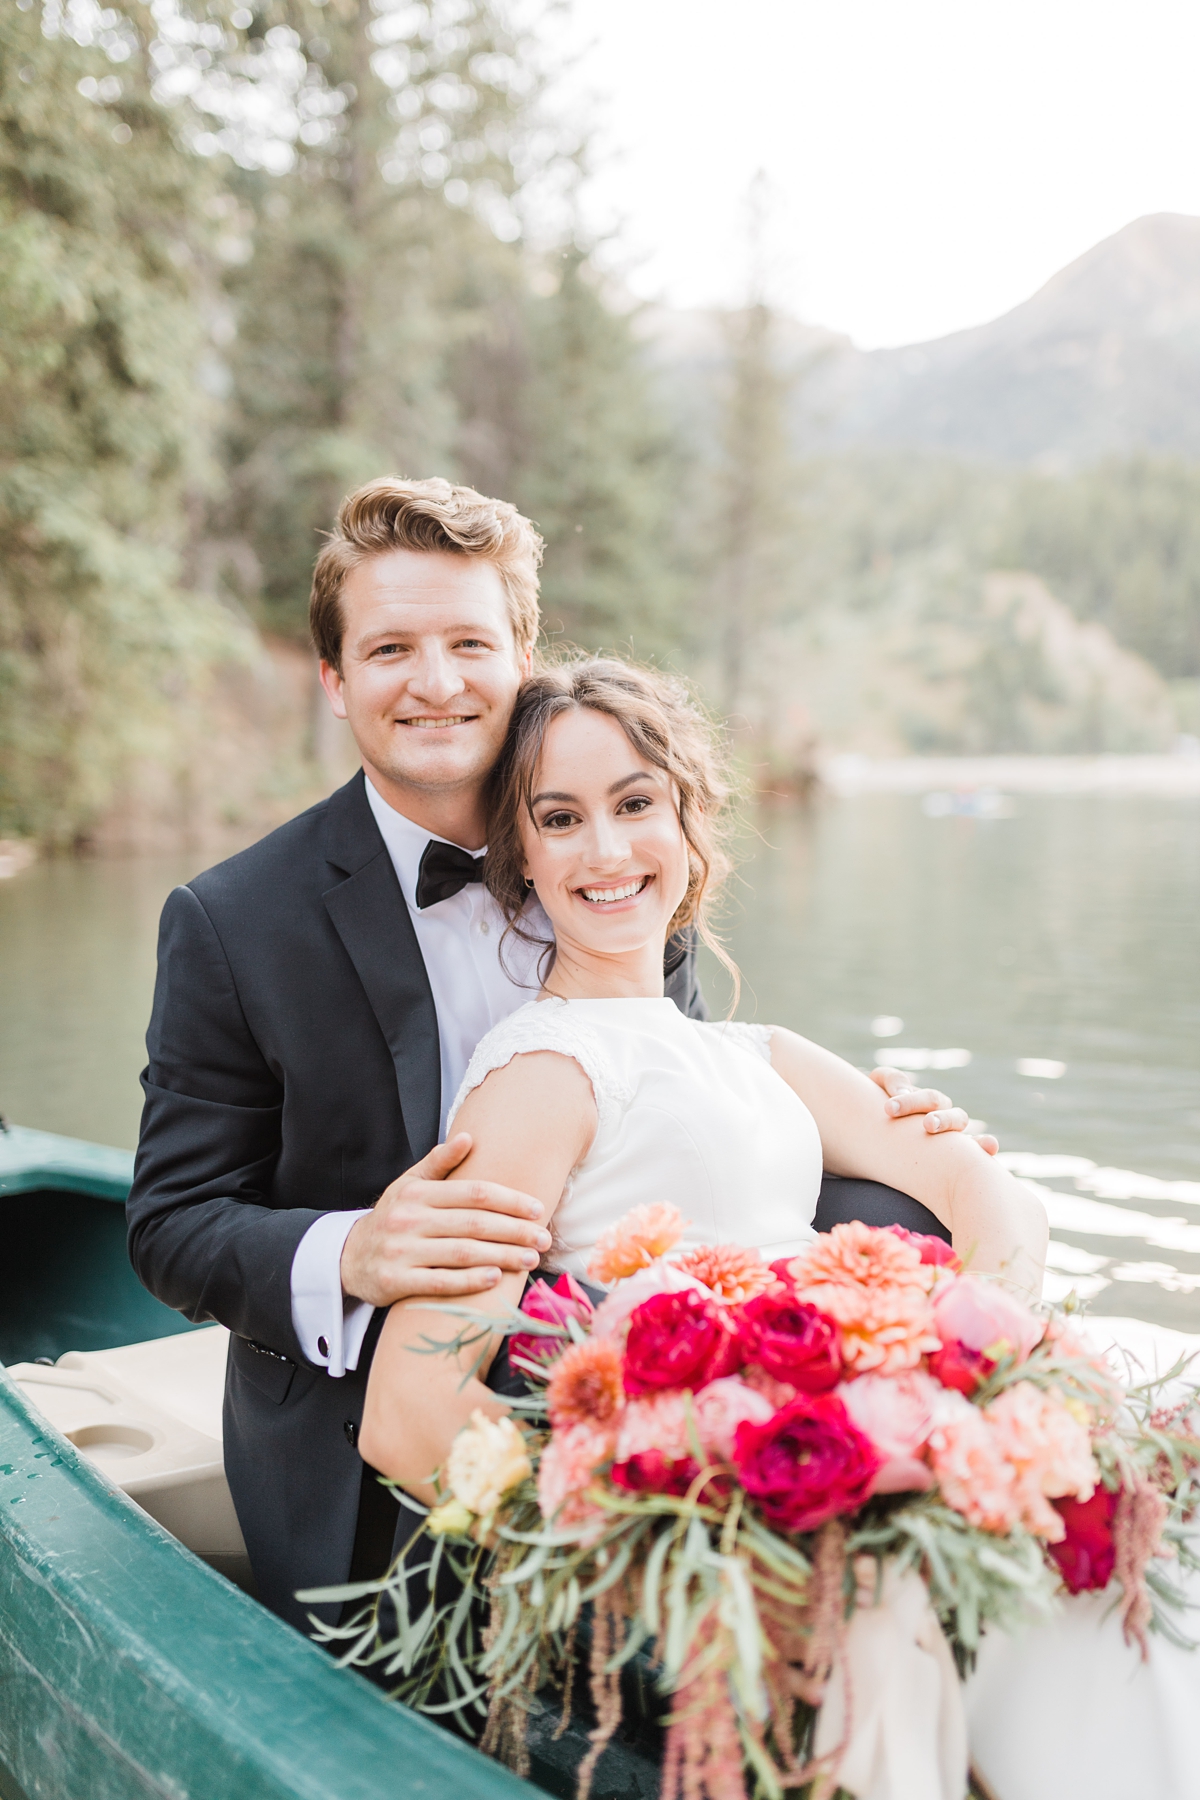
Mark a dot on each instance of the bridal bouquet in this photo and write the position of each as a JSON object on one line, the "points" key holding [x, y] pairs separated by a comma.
{"points": [[793, 1489]]}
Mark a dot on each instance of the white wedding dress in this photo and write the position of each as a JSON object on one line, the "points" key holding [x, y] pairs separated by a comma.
{"points": [[693, 1113], [687, 1112]]}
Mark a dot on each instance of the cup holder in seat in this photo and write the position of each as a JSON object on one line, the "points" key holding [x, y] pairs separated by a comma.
{"points": [[113, 1443]]}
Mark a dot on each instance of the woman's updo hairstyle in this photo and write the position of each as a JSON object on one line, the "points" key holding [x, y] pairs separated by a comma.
{"points": [[664, 724]]}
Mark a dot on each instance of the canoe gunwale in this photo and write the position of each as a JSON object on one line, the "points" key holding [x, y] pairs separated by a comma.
{"points": [[131, 1671]]}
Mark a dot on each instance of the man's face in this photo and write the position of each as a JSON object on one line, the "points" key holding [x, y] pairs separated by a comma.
{"points": [[430, 668]]}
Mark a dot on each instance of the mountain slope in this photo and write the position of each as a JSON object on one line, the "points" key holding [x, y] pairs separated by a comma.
{"points": [[1105, 359]]}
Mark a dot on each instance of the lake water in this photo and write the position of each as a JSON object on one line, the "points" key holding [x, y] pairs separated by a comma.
{"points": [[1066, 934]]}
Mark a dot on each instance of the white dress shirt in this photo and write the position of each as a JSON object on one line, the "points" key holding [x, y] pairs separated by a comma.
{"points": [[473, 989]]}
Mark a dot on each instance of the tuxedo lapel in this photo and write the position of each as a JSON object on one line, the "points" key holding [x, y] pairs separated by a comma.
{"points": [[370, 916]]}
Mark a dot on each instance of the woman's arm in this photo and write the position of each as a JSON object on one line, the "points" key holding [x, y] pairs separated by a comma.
{"points": [[531, 1122], [996, 1224]]}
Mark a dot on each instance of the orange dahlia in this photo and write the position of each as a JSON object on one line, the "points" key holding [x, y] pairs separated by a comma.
{"points": [[730, 1272], [585, 1385], [635, 1241], [875, 1287]]}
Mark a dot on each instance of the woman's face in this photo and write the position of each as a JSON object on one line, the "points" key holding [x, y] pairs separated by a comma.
{"points": [[604, 848]]}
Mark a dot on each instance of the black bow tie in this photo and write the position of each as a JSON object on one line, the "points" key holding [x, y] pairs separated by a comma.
{"points": [[445, 870]]}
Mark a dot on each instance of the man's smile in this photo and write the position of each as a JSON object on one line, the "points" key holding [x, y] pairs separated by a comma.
{"points": [[428, 724]]}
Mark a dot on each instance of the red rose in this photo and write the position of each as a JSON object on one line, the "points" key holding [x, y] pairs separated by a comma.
{"points": [[792, 1341], [807, 1464], [958, 1366], [554, 1306], [650, 1472], [679, 1340], [932, 1249], [1085, 1556]]}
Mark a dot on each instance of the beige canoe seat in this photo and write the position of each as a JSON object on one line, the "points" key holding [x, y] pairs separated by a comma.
{"points": [[148, 1416]]}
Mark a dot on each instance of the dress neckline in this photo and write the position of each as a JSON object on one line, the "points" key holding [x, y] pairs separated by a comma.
{"points": [[656, 1001]]}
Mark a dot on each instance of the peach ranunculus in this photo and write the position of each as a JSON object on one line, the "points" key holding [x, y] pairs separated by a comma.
{"points": [[633, 1243], [896, 1412], [1050, 1451], [585, 1385], [487, 1458], [568, 1463], [728, 1271], [876, 1288], [660, 1277], [975, 1476]]}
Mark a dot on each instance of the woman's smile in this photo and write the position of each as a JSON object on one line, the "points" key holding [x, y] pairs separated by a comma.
{"points": [[632, 889]]}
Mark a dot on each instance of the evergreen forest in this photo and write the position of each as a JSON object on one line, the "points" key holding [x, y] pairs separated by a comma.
{"points": [[253, 252]]}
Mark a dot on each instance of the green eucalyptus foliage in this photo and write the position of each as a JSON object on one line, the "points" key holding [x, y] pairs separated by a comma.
{"points": [[102, 427]]}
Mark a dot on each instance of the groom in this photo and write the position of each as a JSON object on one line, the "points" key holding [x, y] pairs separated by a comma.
{"points": [[318, 999]]}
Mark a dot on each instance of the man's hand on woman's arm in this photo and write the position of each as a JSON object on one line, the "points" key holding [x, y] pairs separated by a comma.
{"points": [[435, 1237], [997, 1225], [905, 1101]]}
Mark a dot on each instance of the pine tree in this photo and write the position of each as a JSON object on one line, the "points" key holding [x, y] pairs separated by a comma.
{"points": [[415, 303], [102, 429], [385, 249], [754, 511], [596, 466]]}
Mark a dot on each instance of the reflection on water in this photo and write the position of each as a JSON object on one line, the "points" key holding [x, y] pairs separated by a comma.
{"points": [[1061, 937], [77, 947], [1060, 947]]}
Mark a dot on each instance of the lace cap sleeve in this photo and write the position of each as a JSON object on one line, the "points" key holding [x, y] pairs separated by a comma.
{"points": [[547, 1025], [755, 1040]]}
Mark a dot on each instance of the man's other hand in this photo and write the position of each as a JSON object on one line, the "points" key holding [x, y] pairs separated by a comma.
{"points": [[904, 1100], [429, 1235]]}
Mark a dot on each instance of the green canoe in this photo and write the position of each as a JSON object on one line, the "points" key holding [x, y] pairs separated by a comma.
{"points": [[129, 1667]]}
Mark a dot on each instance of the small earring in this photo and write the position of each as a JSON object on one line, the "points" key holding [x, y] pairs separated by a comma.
{"points": [[528, 881]]}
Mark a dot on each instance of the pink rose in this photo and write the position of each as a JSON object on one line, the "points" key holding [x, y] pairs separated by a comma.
{"points": [[896, 1412], [659, 1278], [792, 1341], [1086, 1554], [931, 1249], [553, 1306], [979, 1323], [806, 1464], [678, 1341]]}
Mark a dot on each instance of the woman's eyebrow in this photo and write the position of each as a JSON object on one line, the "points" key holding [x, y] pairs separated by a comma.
{"points": [[572, 799]]}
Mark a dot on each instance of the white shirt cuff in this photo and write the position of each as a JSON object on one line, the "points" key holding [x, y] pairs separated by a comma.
{"points": [[330, 1326]]}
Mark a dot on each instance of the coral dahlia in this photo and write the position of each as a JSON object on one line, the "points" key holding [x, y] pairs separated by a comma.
{"points": [[875, 1286], [585, 1385], [730, 1272], [635, 1240]]}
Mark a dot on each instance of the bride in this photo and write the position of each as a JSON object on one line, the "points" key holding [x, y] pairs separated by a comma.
{"points": [[600, 1094]]}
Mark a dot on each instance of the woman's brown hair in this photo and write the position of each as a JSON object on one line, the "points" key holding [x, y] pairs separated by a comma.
{"points": [[665, 725]]}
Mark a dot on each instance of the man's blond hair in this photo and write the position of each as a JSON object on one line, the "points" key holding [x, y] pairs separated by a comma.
{"points": [[390, 514]]}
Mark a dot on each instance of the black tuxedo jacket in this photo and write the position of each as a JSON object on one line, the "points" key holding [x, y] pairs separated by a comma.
{"points": [[293, 1070]]}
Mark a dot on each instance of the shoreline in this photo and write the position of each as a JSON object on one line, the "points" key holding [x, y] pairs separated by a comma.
{"points": [[849, 774]]}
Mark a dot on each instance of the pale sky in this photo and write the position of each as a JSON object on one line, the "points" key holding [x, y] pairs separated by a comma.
{"points": [[931, 162]]}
